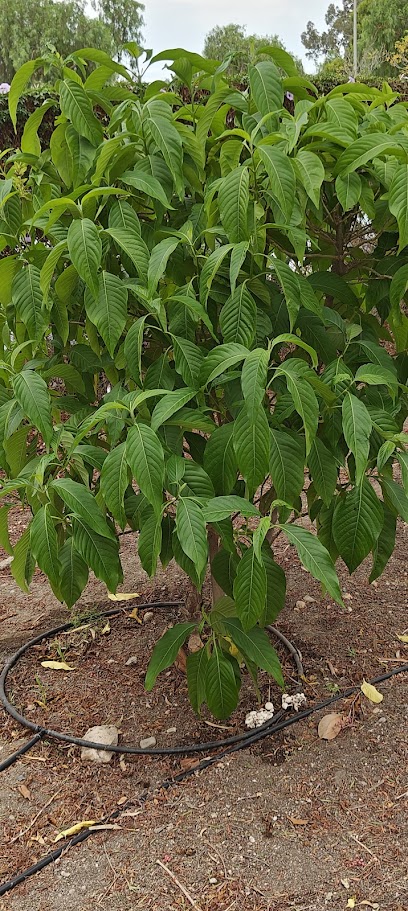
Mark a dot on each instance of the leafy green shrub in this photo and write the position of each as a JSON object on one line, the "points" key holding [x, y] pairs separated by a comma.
{"points": [[202, 334]]}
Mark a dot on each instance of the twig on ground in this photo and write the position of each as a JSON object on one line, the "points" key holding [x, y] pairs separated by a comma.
{"points": [[45, 807], [179, 884], [362, 845]]}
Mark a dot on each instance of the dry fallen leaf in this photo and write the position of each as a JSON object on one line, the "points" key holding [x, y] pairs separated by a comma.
{"points": [[330, 726], [73, 830], [134, 615], [123, 596], [57, 665], [298, 822], [371, 692], [403, 638], [106, 629], [181, 661], [24, 791], [194, 643]]}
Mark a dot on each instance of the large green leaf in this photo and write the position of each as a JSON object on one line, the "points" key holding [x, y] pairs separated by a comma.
{"points": [[150, 543], [166, 650], [254, 377], [211, 266], [135, 248], [323, 469], [238, 317], [384, 544], [4, 532], [147, 184], [289, 283], [357, 426], [275, 586], [287, 461], [396, 496], [85, 250], [170, 403], [398, 202], [220, 359], [357, 522], [315, 558], [146, 460], [266, 87], [307, 407], [191, 532], [221, 688], [169, 142], [133, 348], [196, 668], [310, 171], [44, 544], [82, 503], [188, 360], [74, 573], [101, 554], [28, 300], [158, 261], [32, 394], [251, 444], [348, 190], [108, 310], [76, 106], [233, 201], [19, 82], [250, 589], [220, 460], [20, 565], [282, 183], [221, 508], [114, 481], [255, 645]]}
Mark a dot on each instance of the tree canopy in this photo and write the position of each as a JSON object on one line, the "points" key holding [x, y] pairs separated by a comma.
{"points": [[232, 41], [381, 24], [29, 27]]}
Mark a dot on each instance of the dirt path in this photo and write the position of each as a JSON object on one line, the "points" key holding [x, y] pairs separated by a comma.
{"points": [[295, 823]]}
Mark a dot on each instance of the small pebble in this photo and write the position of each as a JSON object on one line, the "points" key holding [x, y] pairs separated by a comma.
{"points": [[148, 743], [131, 660], [103, 733], [308, 599], [300, 605], [148, 615], [213, 880], [347, 596], [171, 730], [252, 839]]}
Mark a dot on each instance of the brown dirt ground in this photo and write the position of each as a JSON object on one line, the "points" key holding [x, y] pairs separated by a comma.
{"points": [[292, 823]]}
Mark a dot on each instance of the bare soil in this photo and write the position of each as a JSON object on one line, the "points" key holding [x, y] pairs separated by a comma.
{"points": [[291, 823]]}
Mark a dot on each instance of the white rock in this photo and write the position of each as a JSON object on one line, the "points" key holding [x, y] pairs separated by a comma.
{"points": [[148, 743], [148, 616], [132, 660], [308, 599], [171, 730], [300, 605], [103, 733], [213, 880]]}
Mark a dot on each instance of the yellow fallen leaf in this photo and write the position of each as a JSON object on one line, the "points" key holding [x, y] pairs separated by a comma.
{"points": [[57, 665], [106, 629], [371, 692], [123, 596], [351, 903], [73, 830], [403, 638], [134, 615]]}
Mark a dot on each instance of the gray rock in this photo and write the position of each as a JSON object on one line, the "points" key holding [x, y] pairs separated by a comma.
{"points": [[148, 615], [103, 733], [132, 660], [148, 743]]}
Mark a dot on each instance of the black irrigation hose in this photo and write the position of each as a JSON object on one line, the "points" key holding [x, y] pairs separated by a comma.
{"points": [[231, 745], [120, 748]]}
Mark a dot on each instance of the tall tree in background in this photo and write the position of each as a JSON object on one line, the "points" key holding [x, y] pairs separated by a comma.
{"points": [[124, 19], [232, 40], [381, 23], [28, 27]]}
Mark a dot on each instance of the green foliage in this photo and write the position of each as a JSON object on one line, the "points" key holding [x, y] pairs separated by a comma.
{"points": [[202, 331]]}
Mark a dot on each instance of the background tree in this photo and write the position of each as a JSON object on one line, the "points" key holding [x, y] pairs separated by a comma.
{"points": [[27, 27], [232, 40], [124, 19], [336, 40]]}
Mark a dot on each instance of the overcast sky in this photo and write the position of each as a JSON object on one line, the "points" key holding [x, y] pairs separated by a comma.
{"points": [[185, 23]]}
